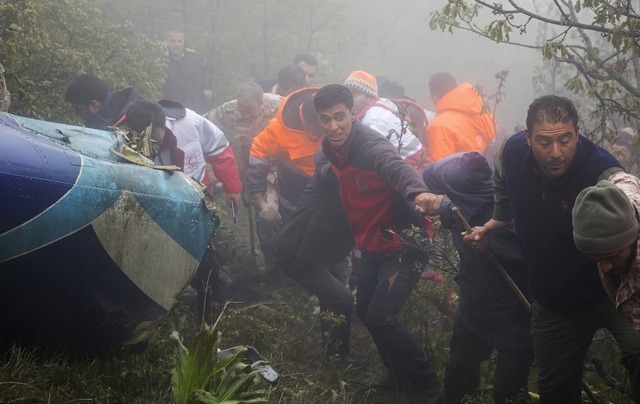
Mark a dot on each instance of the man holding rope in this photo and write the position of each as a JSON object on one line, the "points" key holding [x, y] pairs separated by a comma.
{"points": [[538, 175]]}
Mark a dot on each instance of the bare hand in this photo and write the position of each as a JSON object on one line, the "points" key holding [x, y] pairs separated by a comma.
{"points": [[477, 238], [207, 93], [258, 200], [235, 198], [427, 203]]}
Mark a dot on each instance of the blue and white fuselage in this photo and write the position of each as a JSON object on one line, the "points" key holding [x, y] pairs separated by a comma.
{"points": [[91, 248]]}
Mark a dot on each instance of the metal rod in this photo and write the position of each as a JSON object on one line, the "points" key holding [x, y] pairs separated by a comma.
{"points": [[233, 212]]}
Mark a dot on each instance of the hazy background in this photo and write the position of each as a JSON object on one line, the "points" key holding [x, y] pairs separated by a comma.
{"points": [[397, 42], [46, 46], [252, 39]]}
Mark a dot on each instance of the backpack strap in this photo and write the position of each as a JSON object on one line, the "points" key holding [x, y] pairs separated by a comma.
{"points": [[367, 107]]}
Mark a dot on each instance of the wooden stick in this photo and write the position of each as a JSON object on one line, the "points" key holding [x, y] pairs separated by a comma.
{"points": [[495, 263], [513, 285], [252, 233]]}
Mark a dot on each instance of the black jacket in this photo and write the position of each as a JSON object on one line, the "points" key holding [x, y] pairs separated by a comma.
{"points": [[114, 107], [186, 78], [318, 231]]}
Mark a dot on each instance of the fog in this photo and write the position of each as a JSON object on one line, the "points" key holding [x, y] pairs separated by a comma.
{"points": [[396, 42], [243, 40], [383, 37]]}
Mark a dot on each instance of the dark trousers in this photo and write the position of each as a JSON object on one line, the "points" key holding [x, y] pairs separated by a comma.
{"points": [[384, 284], [333, 296], [561, 340], [207, 281], [268, 231], [467, 352]]}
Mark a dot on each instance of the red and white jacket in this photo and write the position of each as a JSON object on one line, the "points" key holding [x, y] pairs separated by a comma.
{"points": [[382, 116], [377, 188], [191, 142]]}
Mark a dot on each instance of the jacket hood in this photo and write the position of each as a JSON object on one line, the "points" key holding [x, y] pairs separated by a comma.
{"points": [[463, 99], [289, 112], [116, 104], [466, 179], [173, 109]]}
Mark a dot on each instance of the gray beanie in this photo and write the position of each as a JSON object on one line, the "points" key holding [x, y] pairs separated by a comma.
{"points": [[604, 221]]}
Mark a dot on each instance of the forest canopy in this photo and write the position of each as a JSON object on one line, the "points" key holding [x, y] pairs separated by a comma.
{"points": [[587, 49], [44, 44]]}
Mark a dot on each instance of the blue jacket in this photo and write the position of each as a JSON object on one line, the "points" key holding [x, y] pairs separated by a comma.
{"points": [[487, 307]]}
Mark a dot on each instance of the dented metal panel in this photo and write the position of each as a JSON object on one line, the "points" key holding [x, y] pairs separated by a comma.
{"points": [[133, 228]]}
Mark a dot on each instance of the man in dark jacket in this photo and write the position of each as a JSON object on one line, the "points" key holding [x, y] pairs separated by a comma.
{"points": [[95, 104], [490, 315], [378, 189], [312, 248], [187, 80], [538, 175]]}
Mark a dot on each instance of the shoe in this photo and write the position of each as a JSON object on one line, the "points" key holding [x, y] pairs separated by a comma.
{"points": [[386, 381], [189, 294], [430, 395], [348, 358]]}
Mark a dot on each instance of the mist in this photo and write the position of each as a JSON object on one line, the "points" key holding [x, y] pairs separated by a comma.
{"points": [[381, 37], [398, 43]]}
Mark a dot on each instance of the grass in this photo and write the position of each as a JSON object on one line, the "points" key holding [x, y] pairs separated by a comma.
{"points": [[273, 314]]}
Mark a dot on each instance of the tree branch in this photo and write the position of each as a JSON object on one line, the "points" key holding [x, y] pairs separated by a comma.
{"points": [[477, 30], [572, 24]]}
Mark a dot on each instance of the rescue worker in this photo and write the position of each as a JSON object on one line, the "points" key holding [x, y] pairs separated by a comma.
{"points": [[191, 142], [489, 316], [382, 115], [95, 104], [538, 175], [463, 122], [187, 79], [241, 120], [606, 229], [381, 194], [291, 140]]}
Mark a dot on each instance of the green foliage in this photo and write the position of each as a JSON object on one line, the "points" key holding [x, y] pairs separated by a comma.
{"points": [[454, 14], [241, 40], [291, 342], [44, 44], [200, 376], [434, 243]]}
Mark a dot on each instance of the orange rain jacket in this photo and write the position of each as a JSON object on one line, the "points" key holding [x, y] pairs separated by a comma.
{"points": [[462, 124], [285, 141]]}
